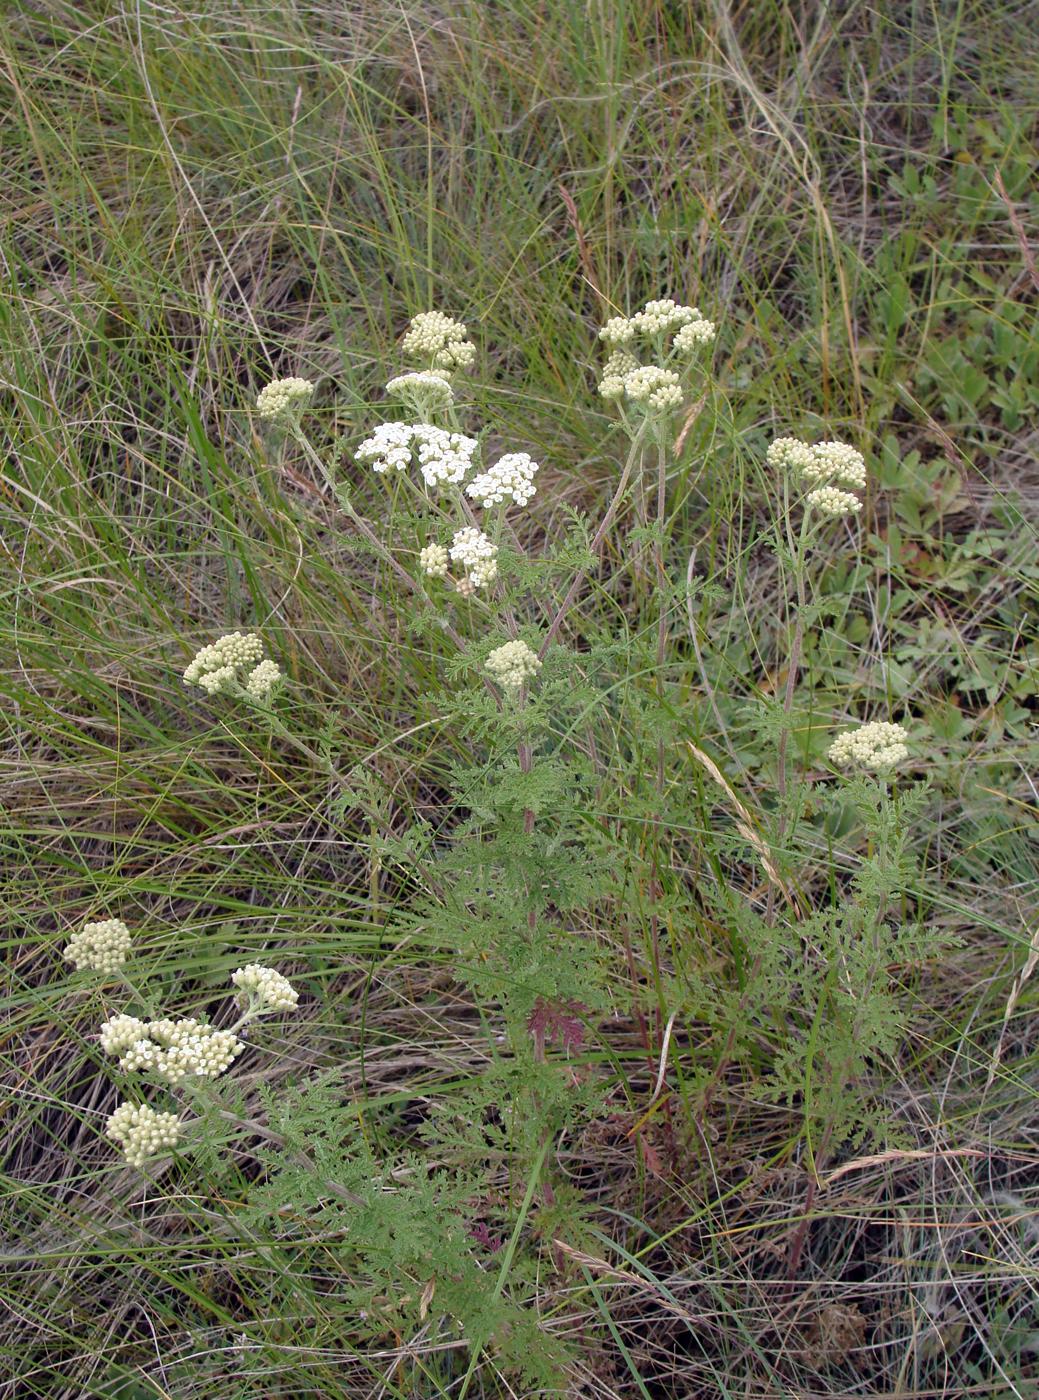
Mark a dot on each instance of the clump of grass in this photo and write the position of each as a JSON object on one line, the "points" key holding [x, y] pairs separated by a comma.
{"points": [[204, 203]]}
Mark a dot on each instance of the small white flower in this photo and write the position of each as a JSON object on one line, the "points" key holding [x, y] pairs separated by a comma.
{"points": [[284, 400], [142, 1132], [472, 549], [831, 500], [694, 335], [511, 478], [433, 561], [443, 457], [119, 1033], [102, 946], [216, 667], [875, 746], [262, 679], [512, 665], [837, 464], [423, 389], [618, 330], [440, 340], [264, 989], [656, 388], [389, 447]]}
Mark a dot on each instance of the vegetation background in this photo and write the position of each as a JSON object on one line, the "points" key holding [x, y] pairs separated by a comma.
{"points": [[197, 199]]}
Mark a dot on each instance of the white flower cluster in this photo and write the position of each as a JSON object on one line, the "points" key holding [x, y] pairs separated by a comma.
{"points": [[826, 467], [388, 447], [102, 946], [837, 463], [512, 665], [510, 479], [443, 457], [439, 339], [659, 318], [875, 746], [433, 561], [284, 400], [422, 389], [142, 1132], [614, 372], [264, 990], [262, 679], [831, 500], [170, 1050], [218, 668], [659, 389], [694, 335], [472, 549]]}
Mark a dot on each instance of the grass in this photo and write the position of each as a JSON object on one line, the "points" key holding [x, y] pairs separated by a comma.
{"points": [[200, 199]]}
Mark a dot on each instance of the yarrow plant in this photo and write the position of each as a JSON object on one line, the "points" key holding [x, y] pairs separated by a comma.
{"points": [[284, 400], [175, 1053]]}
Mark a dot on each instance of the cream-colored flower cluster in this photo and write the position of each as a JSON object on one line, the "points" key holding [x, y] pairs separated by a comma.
{"points": [[659, 389], [284, 400], [826, 467], [438, 340], [102, 946], [510, 479], [263, 990], [423, 390], [170, 1050], [433, 560], [873, 747], [142, 1132], [832, 501], [654, 389], [512, 665], [233, 665]]}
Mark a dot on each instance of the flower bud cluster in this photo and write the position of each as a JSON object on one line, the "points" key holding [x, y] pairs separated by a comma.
{"points": [[233, 665], [832, 501], [262, 679], [659, 318], [440, 340], [284, 400], [424, 391], [826, 467], [472, 549], [433, 561], [510, 479], [103, 946], [875, 746], [657, 389], [142, 1132], [264, 990], [512, 665]]}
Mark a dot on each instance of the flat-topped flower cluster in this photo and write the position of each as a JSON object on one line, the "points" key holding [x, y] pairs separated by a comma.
{"points": [[234, 665], [826, 468], [653, 390]]}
